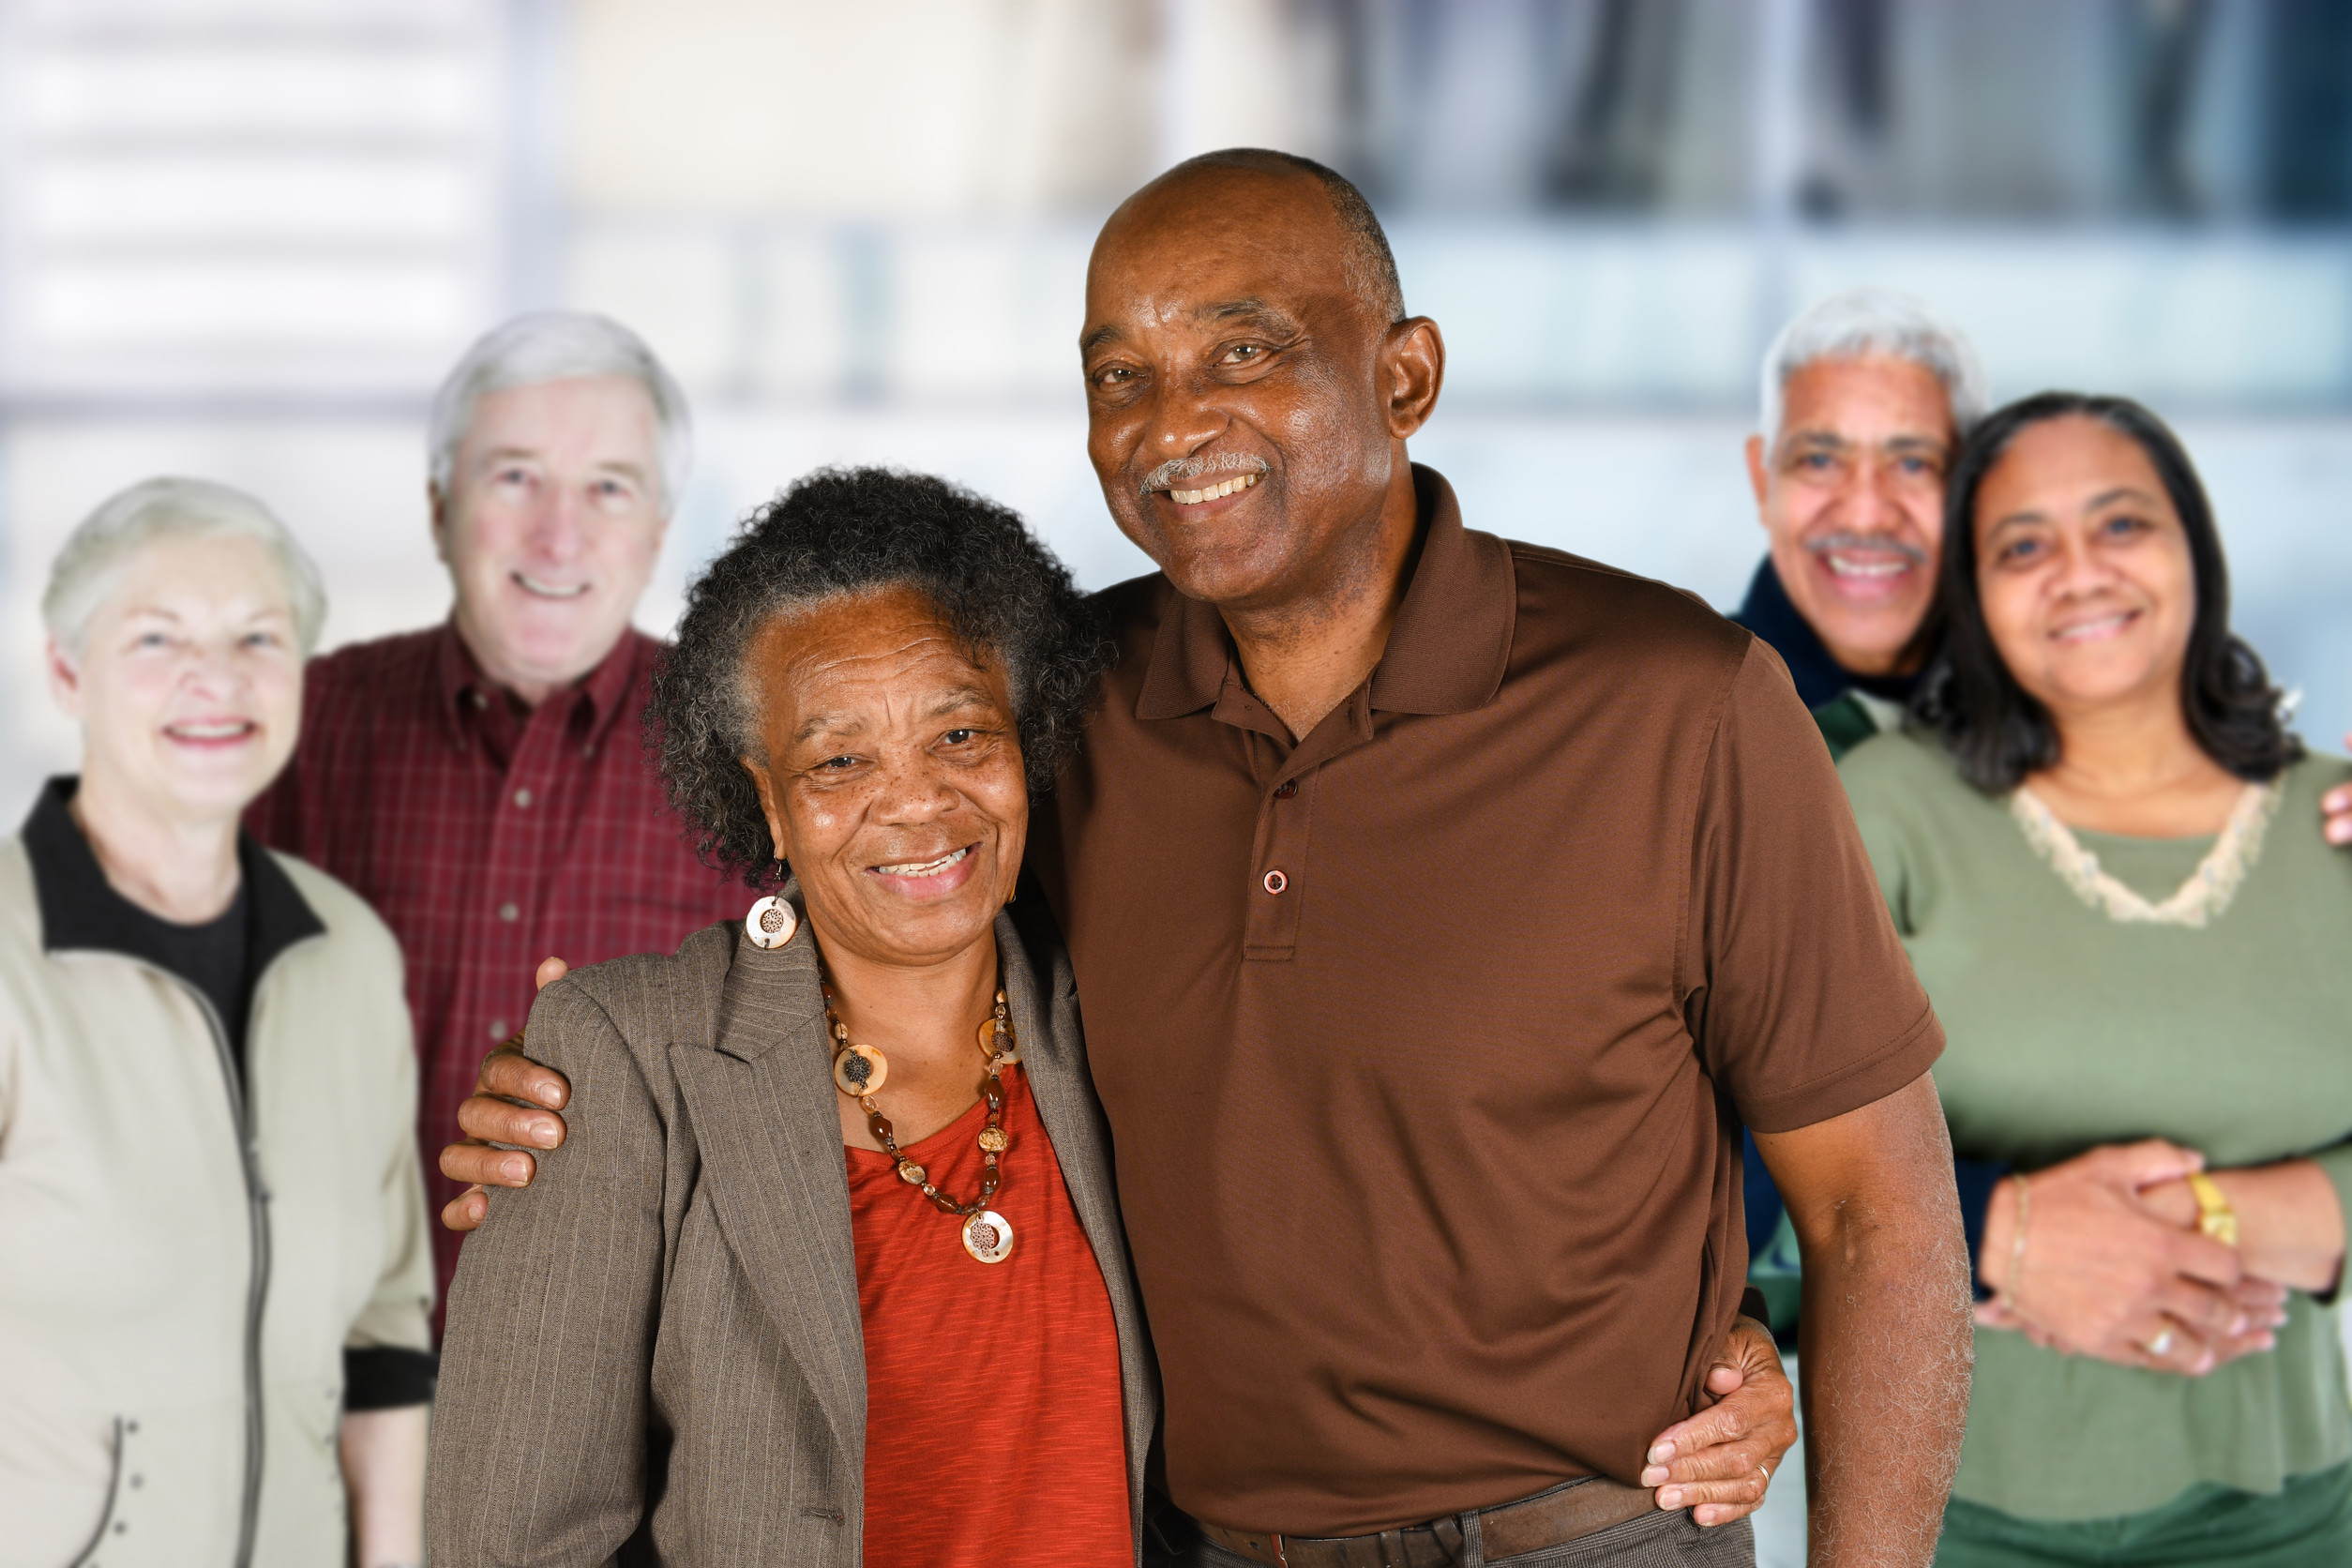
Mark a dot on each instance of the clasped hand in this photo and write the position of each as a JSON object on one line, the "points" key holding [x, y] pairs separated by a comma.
{"points": [[2112, 1268]]}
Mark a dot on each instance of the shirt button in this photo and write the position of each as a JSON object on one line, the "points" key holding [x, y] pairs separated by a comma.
{"points": [[522, 797], [509, 913], [498, 1030], [1276, 881], [1285, 789]]}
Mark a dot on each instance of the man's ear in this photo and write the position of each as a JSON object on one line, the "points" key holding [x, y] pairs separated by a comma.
{"points": [[1758, 478], [437, 512], [64, 679], [1412, 363]]}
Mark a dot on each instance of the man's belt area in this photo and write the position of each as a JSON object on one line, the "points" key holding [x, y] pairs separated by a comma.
{"points": [[1554, 1518]]}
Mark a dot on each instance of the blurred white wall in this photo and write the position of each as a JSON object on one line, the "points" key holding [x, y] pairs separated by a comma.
{"points": [[243, 238]]}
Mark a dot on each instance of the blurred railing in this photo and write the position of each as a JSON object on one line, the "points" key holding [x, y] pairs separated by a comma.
{"points": [[1536, 315]]}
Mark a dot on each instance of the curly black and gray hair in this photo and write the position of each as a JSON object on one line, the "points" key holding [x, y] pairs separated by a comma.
{"points": [[852, 531]]}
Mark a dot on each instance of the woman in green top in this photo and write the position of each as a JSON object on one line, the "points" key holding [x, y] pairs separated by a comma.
{"points": [[2145, 994]]}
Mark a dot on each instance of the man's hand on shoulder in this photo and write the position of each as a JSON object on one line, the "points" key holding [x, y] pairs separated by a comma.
{"points": [[1718, 1463], [2335, 812], [514, 1101]]}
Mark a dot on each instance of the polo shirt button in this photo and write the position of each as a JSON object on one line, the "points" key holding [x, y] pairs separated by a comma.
{"points": [[509, 913], [1276, 881], [498, 1030], [1285, 789], [522, 797]]}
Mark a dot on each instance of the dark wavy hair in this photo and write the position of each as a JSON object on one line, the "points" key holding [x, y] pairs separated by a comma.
{"points": [[850, 531], [1995, 730]]}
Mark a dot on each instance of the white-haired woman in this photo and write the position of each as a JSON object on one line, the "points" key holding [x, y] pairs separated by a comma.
{"points": [[213, 1298]]}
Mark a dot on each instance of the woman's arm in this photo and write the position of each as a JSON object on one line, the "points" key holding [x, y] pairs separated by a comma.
{"points": [[2290, 1220], [539, 1429], [383, 1473]]}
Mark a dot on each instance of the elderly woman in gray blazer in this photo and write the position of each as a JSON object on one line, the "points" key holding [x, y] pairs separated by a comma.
{"points": [[829, 1267]]}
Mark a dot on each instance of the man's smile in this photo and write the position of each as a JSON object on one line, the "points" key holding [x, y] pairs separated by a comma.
{"points": [[539, 588], [1211, 492]]}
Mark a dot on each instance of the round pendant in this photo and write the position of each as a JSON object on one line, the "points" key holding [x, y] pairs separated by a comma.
{"points": [[989, 1236], [860, 1071], [998, 1046], [992, 1141], [770, 922]]}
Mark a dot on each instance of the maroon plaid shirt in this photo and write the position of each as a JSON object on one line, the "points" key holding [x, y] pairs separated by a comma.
{"points": [[488, 837]]}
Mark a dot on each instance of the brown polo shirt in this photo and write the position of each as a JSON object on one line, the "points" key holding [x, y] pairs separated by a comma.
{"points": [[1425, 1041]]}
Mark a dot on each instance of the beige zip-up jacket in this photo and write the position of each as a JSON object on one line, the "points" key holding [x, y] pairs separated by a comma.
{"points": [[183, 1260]]}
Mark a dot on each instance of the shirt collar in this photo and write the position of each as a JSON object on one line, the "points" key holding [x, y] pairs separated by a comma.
{"points": [[1773, 616], [81, 913], [463, 688], [1446, 652]]}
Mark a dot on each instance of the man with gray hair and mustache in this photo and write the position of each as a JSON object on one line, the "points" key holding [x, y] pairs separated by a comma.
{"points": [[1866, 398], [482, 783]]}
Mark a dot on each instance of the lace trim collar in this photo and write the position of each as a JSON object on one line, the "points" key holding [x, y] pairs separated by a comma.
{"points": [[2201, 898]]}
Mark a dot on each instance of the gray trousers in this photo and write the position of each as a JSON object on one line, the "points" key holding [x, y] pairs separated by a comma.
{"points": [[1659, 1539]]}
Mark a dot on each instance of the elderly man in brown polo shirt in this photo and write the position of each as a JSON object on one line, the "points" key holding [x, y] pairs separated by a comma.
{"points": [[1441, 907]]}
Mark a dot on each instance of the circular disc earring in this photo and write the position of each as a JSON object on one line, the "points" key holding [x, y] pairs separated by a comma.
{"points": [[770, 922]]}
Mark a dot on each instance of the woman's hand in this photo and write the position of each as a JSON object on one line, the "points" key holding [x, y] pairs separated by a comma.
{"points": [[1719, 1462], [2290, 1223], [2101, 1275]]}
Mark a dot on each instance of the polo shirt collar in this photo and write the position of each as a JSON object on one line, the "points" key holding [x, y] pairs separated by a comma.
{"points": [[459, 681], [1446, 652], [80, 912]]}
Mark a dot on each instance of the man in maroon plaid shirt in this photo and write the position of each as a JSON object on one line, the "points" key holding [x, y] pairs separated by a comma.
{"points": [[482, 783]]}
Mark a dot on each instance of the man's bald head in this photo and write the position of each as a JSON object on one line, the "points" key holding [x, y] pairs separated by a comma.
{"points": [[1370, 265], [1251, 380]]}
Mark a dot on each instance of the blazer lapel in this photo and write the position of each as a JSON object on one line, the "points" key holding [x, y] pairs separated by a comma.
{"points": [[763, 1104], [1041, 994]]}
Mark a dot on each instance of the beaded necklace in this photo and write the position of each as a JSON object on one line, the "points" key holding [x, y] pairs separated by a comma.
{"points": [[860, 1071]]}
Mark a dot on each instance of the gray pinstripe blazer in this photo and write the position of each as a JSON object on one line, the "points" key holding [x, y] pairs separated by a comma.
{"points": [[655, 1346]]}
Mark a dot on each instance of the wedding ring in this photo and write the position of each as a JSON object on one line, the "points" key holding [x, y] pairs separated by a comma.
{"points": [[2161, 1345]]}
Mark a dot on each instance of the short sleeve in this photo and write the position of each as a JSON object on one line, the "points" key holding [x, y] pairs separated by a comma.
{"points": [[1799, 991]]}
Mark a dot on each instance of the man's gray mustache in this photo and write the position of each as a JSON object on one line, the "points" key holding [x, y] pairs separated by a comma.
{"points": [[1887, 542], [1176, 470]]}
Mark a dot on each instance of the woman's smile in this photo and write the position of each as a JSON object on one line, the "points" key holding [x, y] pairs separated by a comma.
{"points": [[2096, 629], [940, 877]]}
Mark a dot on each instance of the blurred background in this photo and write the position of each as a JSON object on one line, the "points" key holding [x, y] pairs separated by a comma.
{"points": [[244, 238]]}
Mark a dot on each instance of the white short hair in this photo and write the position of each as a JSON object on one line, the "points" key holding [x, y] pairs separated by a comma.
{"points": [[560, 345], [1860, 323], [99, 551]]}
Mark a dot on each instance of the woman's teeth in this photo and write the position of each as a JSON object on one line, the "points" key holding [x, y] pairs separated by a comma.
{"points": [[208, 731], [924, 868], [1224, 486], [2084, 631]]}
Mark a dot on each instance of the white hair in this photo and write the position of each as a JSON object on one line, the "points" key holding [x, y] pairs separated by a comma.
{"points": [[560, 345], [1864, 322], [99, 551]]}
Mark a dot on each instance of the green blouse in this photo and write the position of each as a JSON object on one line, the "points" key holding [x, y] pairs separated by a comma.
{"points": [[2068, 1028]]}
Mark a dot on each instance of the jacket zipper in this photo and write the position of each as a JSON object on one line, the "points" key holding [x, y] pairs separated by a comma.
{"points": [[257, 1208]]}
